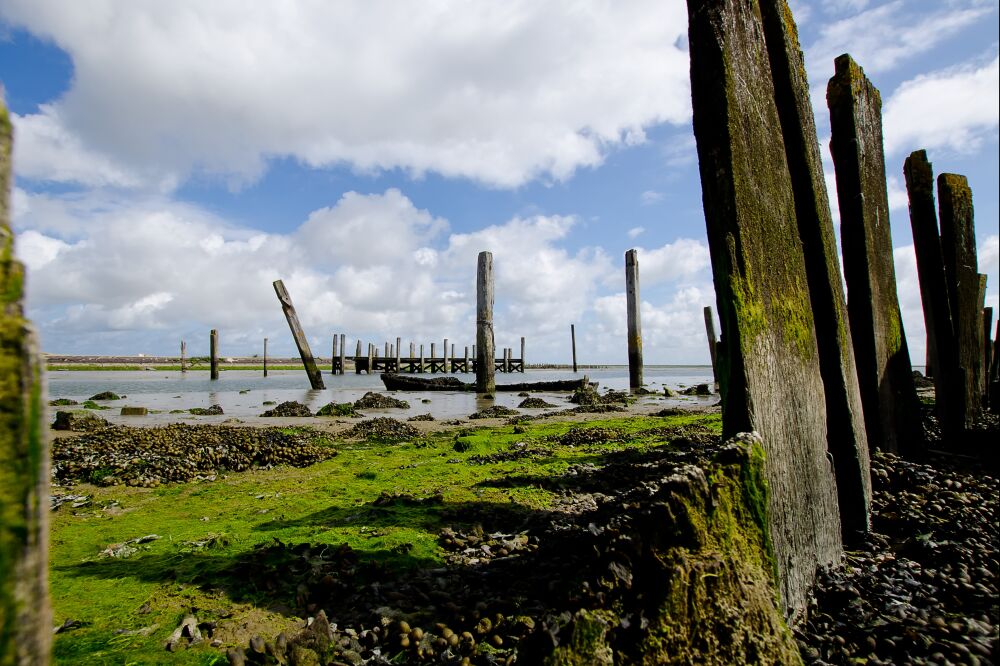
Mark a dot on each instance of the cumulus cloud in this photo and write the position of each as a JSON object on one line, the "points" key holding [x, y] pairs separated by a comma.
{"points": [[681, 259], [635, 232], [956, 109], [497, 93]]}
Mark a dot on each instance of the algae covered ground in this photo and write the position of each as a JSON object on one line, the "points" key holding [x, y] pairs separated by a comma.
{"points": [[449, 529]]}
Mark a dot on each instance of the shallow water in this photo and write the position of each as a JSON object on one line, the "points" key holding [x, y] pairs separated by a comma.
{"points": [[241, 393]]}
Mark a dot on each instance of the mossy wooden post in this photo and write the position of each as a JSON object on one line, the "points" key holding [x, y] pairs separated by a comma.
{"points": [[885, 373], [713, 342], [444, 354], [399, 342], [523, 362], [984, 341], [308, 362], [265, 357], [183, 356], [343, 350], [632, 304], [943, 356], [987, 354], [357, 358], [465, 364], [421, 358], [213, 353], [769, 364], [961, 270], [994, 378], [333, 356], [25, 616], [485, 370], [371, 358], [572, 341]]}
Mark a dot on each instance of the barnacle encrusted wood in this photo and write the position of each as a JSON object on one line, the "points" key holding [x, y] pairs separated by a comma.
{"points": [[769, 361], [892, 411], [25, 618]]}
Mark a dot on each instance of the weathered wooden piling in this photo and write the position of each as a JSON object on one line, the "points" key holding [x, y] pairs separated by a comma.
{"points": [[333, 356], [485, 370], [948, 381], [422, 369], [524, 362], [961, 269], [399, 342], [888, 394], [713, 342], [572, 338], [995, 371], [773, 383], [357, 358], [634, 326], [213, 353], [308, 362], [371, 358], [265, 357], [183, 356], [25, 615], [987, 354], [343, 350]]}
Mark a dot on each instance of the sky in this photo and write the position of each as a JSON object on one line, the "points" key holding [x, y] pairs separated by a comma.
{"points": [[173, 159]]}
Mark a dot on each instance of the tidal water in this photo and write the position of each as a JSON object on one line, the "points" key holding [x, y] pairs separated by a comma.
{"points": [[242, 393]]}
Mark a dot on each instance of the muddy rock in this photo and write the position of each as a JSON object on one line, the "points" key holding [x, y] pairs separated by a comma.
{"points": [[289, 408], [372, 400], [339, 409], [383, 429], [214, 410], [105, 395], [535, 403], [79, 421], [62, 402], [496, 411]]}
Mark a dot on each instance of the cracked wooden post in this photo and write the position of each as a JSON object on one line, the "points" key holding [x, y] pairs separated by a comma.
{"points": [[183, 356], [961, 270], [943, 352], [632, 315], [265, 357], [315, 377], [213, 353], [572, 340], [771, 381], [885, 373], [25, 615], [713, 343], [485, 370]]}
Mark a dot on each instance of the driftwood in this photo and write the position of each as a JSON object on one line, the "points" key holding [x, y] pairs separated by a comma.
{"points": [[394, 382]]}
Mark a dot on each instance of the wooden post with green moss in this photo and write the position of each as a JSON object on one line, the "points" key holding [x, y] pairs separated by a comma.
{"points": [[572, 342], [888, 394], [183, 356], [943, 356], [987, 354], [265, 357], [213, 354], [769, 362], [485, 366], [713, 342], [632, 304], [315, 377], [961, 269], [25, 616]]}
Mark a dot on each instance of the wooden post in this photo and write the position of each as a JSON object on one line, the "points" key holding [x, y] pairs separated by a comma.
{"points": [[371, 358], [213, 352], [25, 614], [485, 371], [308, 362], [413, 350], [333, 356], [634, 326], [444, 353], [422, 358], [524, 364], [343, 349], [452, 367], [265, 357], [465, 365], [712, 342], [357, 358], [399, 342], [387, 353], [183, 356], [987, 354], [572, 338]]}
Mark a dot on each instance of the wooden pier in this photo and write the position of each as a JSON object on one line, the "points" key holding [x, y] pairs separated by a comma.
{"points": [[388, 359]]}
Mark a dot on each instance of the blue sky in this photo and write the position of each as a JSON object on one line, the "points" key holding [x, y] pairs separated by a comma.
{"points": [[173, 159]]}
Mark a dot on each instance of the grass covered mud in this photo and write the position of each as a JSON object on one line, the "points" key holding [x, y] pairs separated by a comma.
{"points": [[638, 539]]}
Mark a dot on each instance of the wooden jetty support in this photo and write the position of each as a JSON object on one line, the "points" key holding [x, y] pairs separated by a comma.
{"points": [[447, 362]]}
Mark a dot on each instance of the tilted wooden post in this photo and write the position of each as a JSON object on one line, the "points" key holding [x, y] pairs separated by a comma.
{"points": [[961, 269], [572, 337], [943, 356], [25, 615], [213, 352], [315, 377], [632, 304], [485, 370], [772, 382], [183, 356], [265, 357], [713, 342], [891, 408]]}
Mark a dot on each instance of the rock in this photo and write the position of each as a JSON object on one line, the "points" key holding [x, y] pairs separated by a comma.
{"points": [[384, 429], [495, 411], [214, 410], [372, 400], [62, 402], [421, 417], [105, 395], [289, 408], [79, 421], [338, 409], [669, 392], [134, 411], [535, 403]]}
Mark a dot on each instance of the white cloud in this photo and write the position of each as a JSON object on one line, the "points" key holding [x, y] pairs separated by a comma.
{"points": [[635, 232], [498, 93], [650, 197], [885, 36], [956, 108], [682, 259]]}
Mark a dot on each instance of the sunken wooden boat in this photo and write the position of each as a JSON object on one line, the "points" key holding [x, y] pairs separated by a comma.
{"points": [[396, 382]]}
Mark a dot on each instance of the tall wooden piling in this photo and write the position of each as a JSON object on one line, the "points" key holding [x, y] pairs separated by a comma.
{"points": [[343, 349], [634, 326], [948, 382], [213, 353], [772, 381], [444, 354], [333, 356], [572, 339], [524, 364], [357, 358], [987, 354], [888, 395], [183, 356], [399, 342], [25, 614], [265, 357], [712, 342], [371, 358], [308, 362], [485, 370]]}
